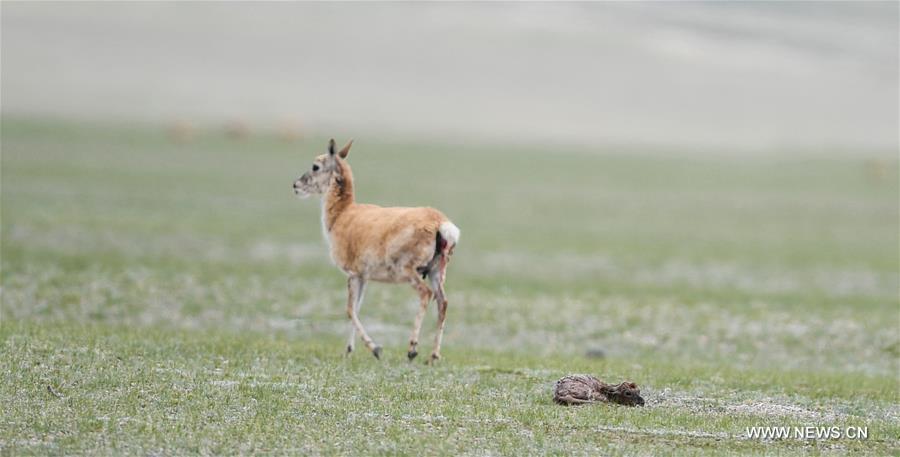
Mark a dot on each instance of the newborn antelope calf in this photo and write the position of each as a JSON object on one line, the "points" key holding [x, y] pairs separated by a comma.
{"points": [[579, 389], [369, 242]]}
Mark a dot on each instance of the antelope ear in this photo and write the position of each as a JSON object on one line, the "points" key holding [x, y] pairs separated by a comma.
{"points": [[331, 147], [346, 150]]}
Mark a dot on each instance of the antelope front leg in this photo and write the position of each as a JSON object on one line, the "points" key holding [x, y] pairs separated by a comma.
{"points": [[359, 294], [425, 295], [355, 286]]}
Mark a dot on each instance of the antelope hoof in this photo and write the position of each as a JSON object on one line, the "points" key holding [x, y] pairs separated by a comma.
{"points": [[376, 351], [349, 349], [411, 355], [433, 359]]}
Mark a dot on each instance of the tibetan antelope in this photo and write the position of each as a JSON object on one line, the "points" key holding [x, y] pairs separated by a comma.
{"points": [[372, 243], [580, 389]]}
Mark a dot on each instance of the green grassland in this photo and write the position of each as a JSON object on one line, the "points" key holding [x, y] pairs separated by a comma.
{"points": [[174, 298]]}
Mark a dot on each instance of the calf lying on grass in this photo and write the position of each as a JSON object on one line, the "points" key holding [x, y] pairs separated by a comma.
{"points": [[579, 389], [368, 242]]}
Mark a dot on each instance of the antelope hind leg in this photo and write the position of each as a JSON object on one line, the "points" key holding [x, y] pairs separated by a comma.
{"points": [[425, 295]]}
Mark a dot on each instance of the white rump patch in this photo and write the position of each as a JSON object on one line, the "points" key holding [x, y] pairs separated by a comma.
{"points": [[450, 232]]}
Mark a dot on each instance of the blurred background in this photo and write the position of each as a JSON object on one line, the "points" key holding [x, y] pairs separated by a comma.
{"points": [[693, 181], [721, 77]]}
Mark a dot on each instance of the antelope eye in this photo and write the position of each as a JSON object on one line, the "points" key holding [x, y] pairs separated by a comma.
{"points": [[315, 168]]}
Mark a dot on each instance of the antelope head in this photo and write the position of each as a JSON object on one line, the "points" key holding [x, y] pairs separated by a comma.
{"points": [[318, 178]]}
